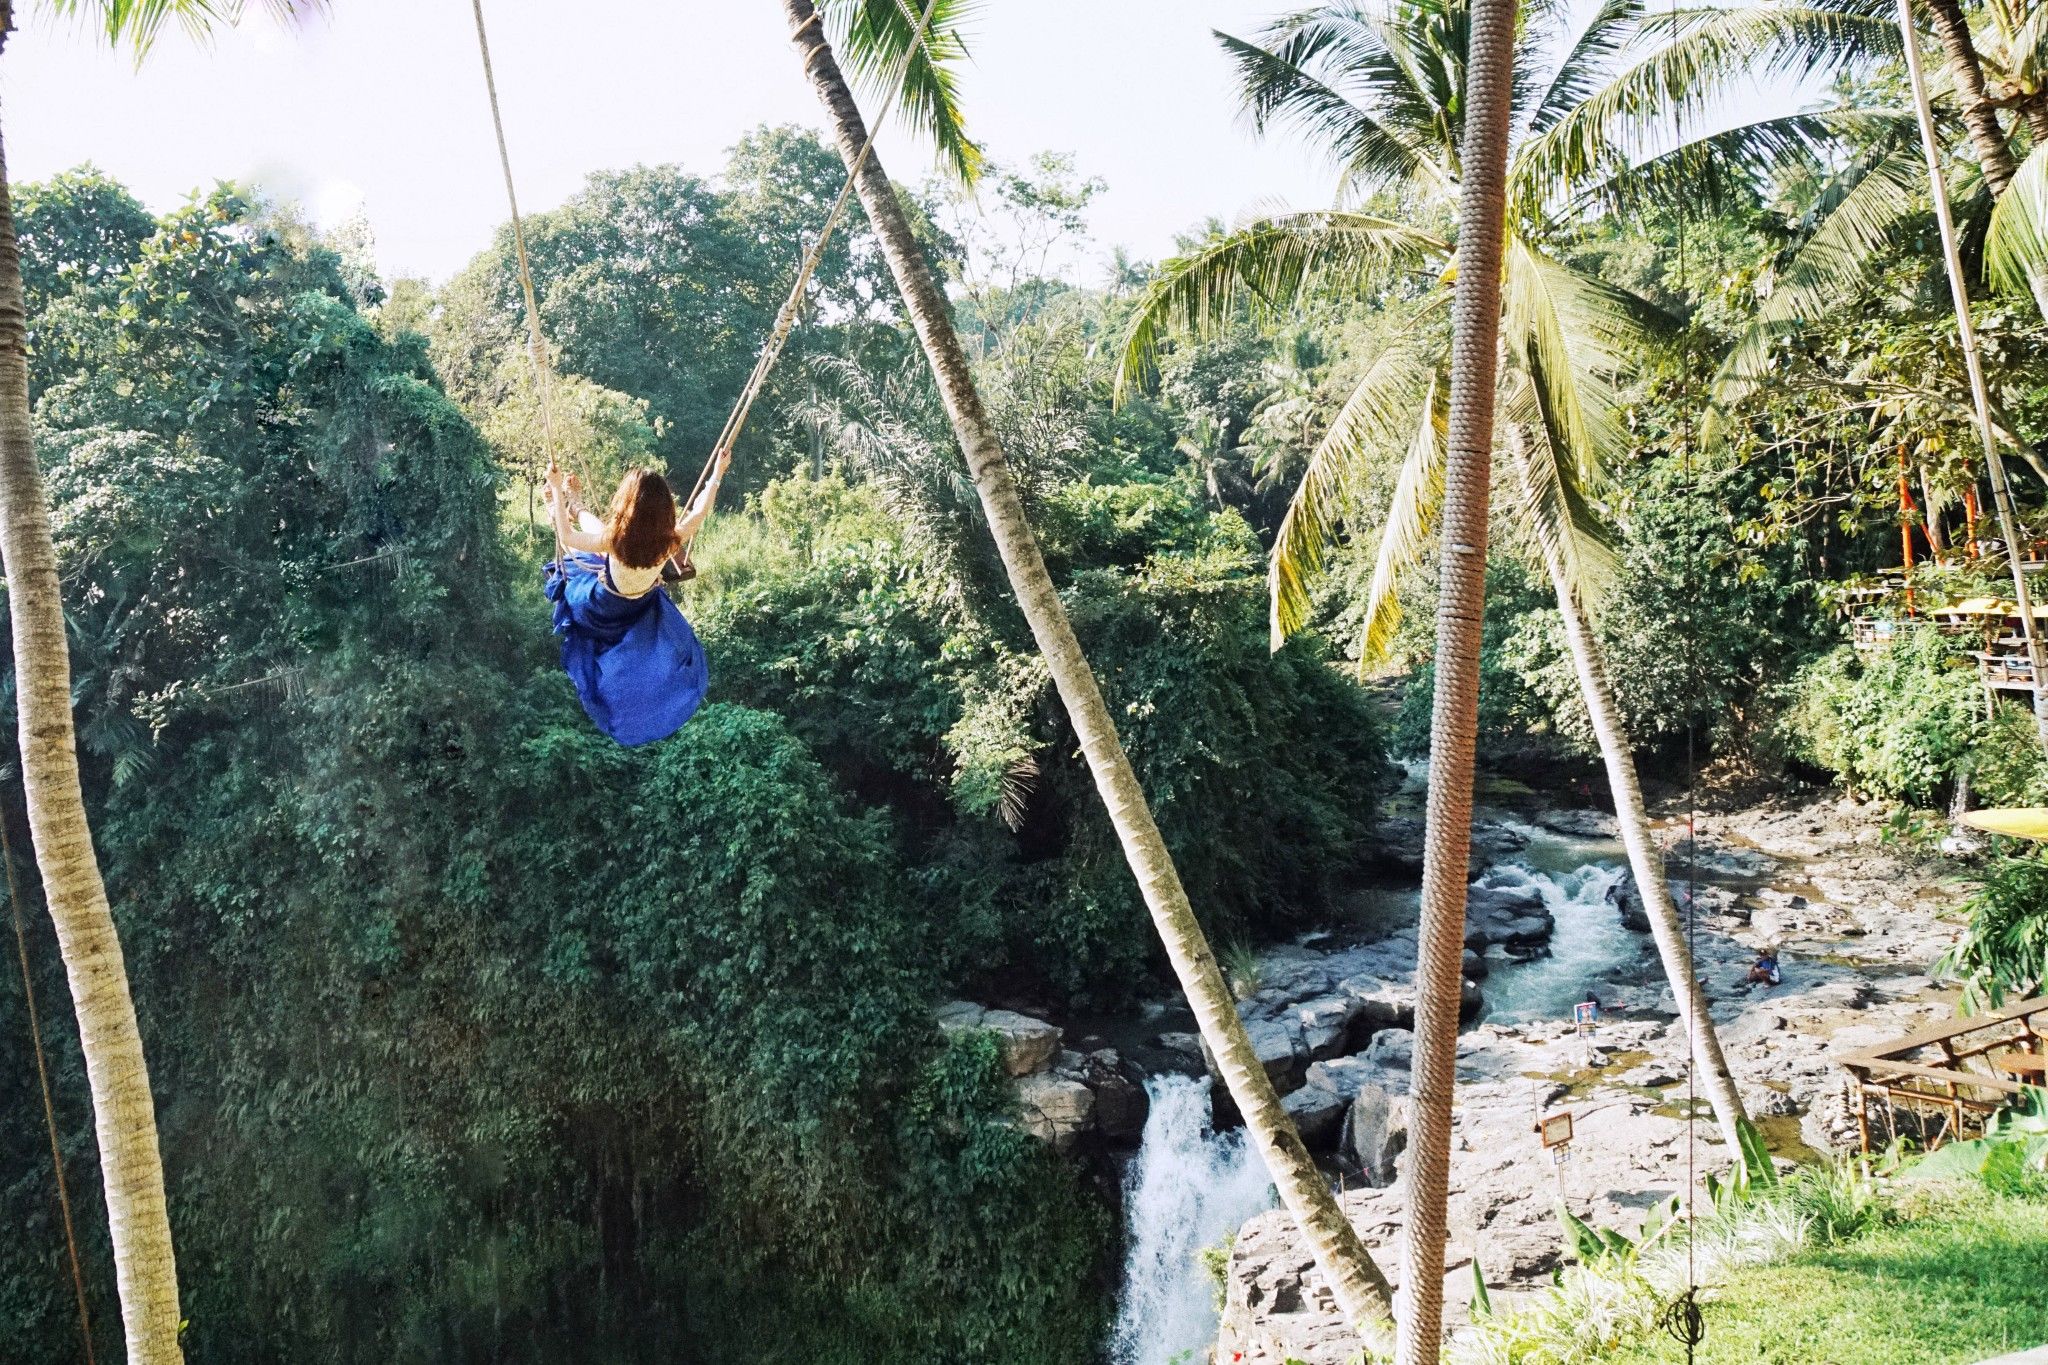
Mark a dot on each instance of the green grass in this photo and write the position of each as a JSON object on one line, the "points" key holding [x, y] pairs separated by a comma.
{"points": [[1965, 1280]]}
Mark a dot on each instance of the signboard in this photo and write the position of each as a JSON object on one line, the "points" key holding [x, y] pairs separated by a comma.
{"points": [[1586, 1013], [1555, 1129]]}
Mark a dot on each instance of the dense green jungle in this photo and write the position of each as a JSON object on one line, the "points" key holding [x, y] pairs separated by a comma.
{"points": [[475, 1036]]}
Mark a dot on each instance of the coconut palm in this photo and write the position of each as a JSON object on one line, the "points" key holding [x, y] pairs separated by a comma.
{"points": [[1488, 109], [880, 37], [124, 1113], [1381, 88]]}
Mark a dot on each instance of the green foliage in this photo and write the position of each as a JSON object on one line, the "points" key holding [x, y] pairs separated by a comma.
{"points": [[1900, 723], [1962, 1281], [2003, 947], [477, 1036], [2011, 1158]]}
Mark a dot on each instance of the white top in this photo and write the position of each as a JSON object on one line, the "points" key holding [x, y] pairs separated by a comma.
{"points": [[626, 580]]}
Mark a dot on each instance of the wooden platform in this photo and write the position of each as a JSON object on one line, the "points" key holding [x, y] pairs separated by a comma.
{"points": [[1956, 1074]]}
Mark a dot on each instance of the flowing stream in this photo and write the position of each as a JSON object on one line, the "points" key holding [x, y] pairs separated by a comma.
{"points": [[1587, 946], [1188, 1188]]}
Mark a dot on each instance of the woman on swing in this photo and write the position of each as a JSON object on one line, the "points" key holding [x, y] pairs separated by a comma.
{"points": [[635, 662]]}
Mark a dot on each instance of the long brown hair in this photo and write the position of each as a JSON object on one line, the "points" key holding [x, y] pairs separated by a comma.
{"points": [[640, 528]]}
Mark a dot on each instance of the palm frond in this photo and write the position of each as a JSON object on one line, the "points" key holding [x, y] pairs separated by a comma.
{"points": [[1553, 499], [1279, 84], [2026, 49], [1575, 337], [1269, 264], [139, 23], [1583, 69], [1706, 173], [1833, 263], [1395, 404], [1695, 58], [878, 40], [2016, 246]]}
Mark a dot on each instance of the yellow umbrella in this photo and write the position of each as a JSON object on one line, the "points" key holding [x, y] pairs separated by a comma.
{"points": [[2027, 822]]}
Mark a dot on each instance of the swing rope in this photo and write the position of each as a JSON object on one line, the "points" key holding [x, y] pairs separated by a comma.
{"points": [[1681, 1318], [35, 1032], [536, 346], [785, 318]]}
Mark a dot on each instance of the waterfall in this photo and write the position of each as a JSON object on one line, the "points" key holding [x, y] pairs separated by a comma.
{"points": [[1587, 945], [1188, 1188]]}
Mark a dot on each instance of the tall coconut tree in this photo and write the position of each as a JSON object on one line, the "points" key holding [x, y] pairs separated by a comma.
{"points": [[124, 1112], [881, 39], [1488, 110], [1380, 87]]}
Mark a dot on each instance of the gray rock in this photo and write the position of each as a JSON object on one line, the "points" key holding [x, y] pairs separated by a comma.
{"points": [[1055, 1109], [1120, 1102], [1326, 1024], [1376, 1133], [1278, 1046], [1394, 1047], [1027, 1045], [1344, 1077], [1622, 896], [1317, 1113], [1475, 967], [1186, 1046], [1579, 824]]}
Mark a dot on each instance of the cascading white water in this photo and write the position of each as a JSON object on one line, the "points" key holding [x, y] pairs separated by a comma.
{"points": [[1587, 945], [1188, 1188]]}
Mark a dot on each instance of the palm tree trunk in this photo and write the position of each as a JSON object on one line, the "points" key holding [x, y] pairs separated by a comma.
{"points": [[1360, 1287], [1966, 69], [1980, 118], [1667, 927], [1973, 364], [1461, 602], [124, 1114]]}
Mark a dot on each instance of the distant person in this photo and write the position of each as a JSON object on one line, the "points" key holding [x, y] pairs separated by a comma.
{"points": [[1764, 971]]}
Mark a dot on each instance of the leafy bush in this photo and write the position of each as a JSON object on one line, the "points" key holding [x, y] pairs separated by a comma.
{"points": [[1900, 723], [2003, 948]]}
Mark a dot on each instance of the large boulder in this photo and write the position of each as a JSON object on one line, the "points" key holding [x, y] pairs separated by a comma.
{"points": [[1325, 1024], [1392, 1048], [1118, 1087], [1027, 1045], [1629, 905], [1055, 1109], [1376, 1133], [1383, 1002], [1344, 1077], [1579, 824], [1277, 1043], [1317, 1115]]}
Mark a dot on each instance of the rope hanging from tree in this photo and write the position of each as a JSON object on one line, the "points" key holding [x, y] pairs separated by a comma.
{"points": [[785, 318], [35, 1031]]}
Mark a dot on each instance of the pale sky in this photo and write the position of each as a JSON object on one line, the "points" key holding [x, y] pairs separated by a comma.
{"points": [[380, 105]]}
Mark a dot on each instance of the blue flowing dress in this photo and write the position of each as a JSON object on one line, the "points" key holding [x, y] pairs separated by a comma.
{"points": [[635, 662]]}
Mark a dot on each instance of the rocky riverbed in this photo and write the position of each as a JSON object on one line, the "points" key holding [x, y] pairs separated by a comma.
{"points": [[1858, 927], [1551, 918]]}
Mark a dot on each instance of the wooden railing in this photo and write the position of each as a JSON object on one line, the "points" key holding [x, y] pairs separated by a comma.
{"points": [[1956, 1074]]}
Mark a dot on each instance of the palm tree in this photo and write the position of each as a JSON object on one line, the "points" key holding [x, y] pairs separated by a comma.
{"points": [[1380, 88], [1869, 203], [124, 1112], [1454, 714], [881, 38]]}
